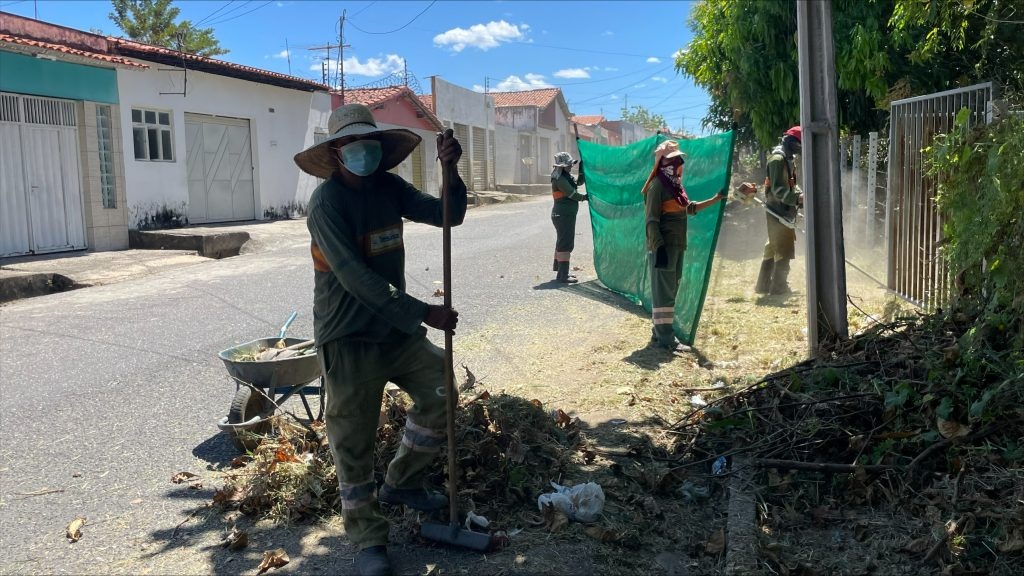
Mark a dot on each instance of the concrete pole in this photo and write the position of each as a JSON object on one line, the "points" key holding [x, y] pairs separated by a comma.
{"points": [[823, 200]]}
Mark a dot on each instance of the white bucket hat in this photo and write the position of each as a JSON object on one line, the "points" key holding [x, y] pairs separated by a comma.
{"points": [[349, 123], [668, 149], [563, 160]]}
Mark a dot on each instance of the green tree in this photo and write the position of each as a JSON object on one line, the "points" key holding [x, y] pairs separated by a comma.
{"points": [[153, 22], [643, 117], [745, 55]]}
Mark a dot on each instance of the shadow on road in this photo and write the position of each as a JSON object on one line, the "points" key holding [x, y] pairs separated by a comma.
{"points": [[216, 449], [652, 357], [594, 290]]}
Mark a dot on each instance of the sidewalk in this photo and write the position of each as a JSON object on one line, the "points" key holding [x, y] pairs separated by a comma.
{"points": [[154, 251]]}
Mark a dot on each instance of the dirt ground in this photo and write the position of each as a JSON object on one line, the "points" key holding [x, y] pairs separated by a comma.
{"points": [[626, 396]]}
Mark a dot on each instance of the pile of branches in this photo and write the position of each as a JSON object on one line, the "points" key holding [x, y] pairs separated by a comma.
{"points": [[509, 449], [900, 416]]}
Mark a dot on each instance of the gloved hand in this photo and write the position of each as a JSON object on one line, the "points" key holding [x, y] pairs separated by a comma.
{"points": [[661, 257], [585, 198], [441, 318]]}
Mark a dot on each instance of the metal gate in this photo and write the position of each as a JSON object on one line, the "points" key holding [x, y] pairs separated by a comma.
{"points": [[220, 169], [41, 208], [479, 161], [913, 224]]}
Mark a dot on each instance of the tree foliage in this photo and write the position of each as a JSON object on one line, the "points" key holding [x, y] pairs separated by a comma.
{"points": [[745, 55], [153, 22], [643, 117]]}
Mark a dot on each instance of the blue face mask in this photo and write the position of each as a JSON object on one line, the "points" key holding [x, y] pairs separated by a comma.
{"points": [[361, 157]]}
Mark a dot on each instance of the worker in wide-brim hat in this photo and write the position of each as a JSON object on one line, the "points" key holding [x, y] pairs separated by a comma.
{"points": [[368, 330], [782, 198], [666, 207], [567, 198]]}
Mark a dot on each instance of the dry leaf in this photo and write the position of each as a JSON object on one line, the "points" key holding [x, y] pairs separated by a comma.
{"points": [[273, 559], [554, 519], [520, 560], [432, 570], [438, 293], [602, 535], [716, 543], [470, 380], [74, 529], [952, 428], [562, 419], [236, 539], [240, 461], [537, 403], [183, 477]]}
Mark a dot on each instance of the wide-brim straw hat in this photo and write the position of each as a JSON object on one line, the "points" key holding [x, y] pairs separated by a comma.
{"points": [[668, 149], [353, 122]]}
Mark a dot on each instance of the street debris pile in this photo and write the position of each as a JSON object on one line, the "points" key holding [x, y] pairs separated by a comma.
{"points": [[278, 351], [908, 439]]}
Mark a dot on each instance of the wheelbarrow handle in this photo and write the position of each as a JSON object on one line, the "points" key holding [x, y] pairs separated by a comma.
{"points": [[288, 323]]}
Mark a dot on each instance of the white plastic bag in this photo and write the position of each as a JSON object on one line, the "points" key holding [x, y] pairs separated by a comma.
{"points": [[581, 503]]}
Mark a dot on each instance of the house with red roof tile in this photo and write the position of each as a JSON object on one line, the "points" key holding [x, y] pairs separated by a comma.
{"points": [[62, 184], [591, 129], [531, 126], [400, 107], [107, 134]]}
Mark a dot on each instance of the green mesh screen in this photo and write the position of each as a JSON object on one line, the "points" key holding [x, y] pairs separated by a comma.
{"points": [[614, 176]]}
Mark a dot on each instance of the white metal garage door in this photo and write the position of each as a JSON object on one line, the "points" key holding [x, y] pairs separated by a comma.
{"points": [[40, 187], [220, 170]]}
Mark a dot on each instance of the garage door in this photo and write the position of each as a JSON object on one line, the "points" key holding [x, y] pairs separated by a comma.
{"points": [[40, 187], [220, 170]]}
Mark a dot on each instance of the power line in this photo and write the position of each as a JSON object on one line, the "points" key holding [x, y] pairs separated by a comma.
{"points": [[211, 14], [363, 9], [616, 90], [576, 49], [242, 14], [402, 27]]}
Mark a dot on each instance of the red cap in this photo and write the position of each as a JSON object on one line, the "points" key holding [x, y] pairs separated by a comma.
{"points": [[795, 132]]}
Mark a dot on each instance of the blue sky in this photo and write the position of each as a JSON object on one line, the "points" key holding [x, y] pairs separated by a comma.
{"points": [[602, 54]]}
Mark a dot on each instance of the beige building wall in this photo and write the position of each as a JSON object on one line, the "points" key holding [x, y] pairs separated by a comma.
{"points": [[105, 228]]}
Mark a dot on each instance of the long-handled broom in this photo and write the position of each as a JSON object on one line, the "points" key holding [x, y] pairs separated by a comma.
{"points": [[450, 533]]}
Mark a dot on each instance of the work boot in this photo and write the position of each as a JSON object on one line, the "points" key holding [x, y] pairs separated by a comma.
{"points": [[374, 561], [779, 284], [415, 498], [563, 274], [764, 277]]}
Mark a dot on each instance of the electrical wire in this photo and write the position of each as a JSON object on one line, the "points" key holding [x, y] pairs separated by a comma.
{"points": [[363, 9], [402, 27], [616, 90], [242, 14], [577, 49], [211, 14]]}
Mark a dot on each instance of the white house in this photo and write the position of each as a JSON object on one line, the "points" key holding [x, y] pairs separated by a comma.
{"points": [[532, 125], [471, 116], [210, 141]]}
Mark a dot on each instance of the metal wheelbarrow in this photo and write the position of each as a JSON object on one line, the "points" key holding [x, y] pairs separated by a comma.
{"points": [[262, 386]]}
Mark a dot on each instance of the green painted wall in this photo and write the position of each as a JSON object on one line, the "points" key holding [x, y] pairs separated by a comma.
{"points": [[42, 77]]}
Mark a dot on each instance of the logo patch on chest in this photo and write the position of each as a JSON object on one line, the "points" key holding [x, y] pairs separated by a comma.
{"points": [[386, 240]]}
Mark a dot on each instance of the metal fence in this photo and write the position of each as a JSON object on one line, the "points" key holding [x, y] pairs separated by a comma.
{"points": [[863, 178], [913, 225]]}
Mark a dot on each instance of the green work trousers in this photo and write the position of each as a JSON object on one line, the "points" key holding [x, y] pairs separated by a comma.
{"points": [[563, 216], [664, 286], [355, 374], [781, 243]]}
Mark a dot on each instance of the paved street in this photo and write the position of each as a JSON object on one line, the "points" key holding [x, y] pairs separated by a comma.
{"points": [[106, 392]]}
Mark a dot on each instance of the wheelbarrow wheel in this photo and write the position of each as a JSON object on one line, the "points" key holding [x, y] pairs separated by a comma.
{"points": [[246, 405]]}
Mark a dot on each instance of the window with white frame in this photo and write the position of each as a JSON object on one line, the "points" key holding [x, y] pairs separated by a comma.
{"points": [[152, 135]]}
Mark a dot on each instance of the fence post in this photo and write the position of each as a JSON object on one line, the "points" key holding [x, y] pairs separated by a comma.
{"points": [[842, 169], [869, 223], [855, 180]]}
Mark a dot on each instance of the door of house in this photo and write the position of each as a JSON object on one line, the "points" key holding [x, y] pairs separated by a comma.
{"points": [[220, 169], [41, 206], [525, 159]]}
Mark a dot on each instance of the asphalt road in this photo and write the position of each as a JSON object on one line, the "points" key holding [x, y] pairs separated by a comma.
{"points": [[106, 392]]}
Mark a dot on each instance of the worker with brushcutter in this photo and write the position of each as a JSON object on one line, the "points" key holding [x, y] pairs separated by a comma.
{"points": [[667, 207], [567, 197], [368, 330], [782, 198]]}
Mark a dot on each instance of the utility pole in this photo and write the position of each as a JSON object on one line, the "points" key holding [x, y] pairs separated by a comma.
{"points": [[288, 53], [341, 55], [823, 198], [324, 70]]}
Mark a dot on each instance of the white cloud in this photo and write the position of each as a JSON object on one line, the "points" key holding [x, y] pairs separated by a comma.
{"points": [[640, 86], [678, 53], [608, 69], [572, 73], [371, 67], [281, 54], [482, 36], [654, 60], [478, 88], [607, 33], [661, 79], [614, 97], [515, 84]]}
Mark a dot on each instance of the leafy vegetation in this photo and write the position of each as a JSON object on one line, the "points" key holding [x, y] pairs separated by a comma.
{"points": [[643, 117], [153, 22], [745, 54]]}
